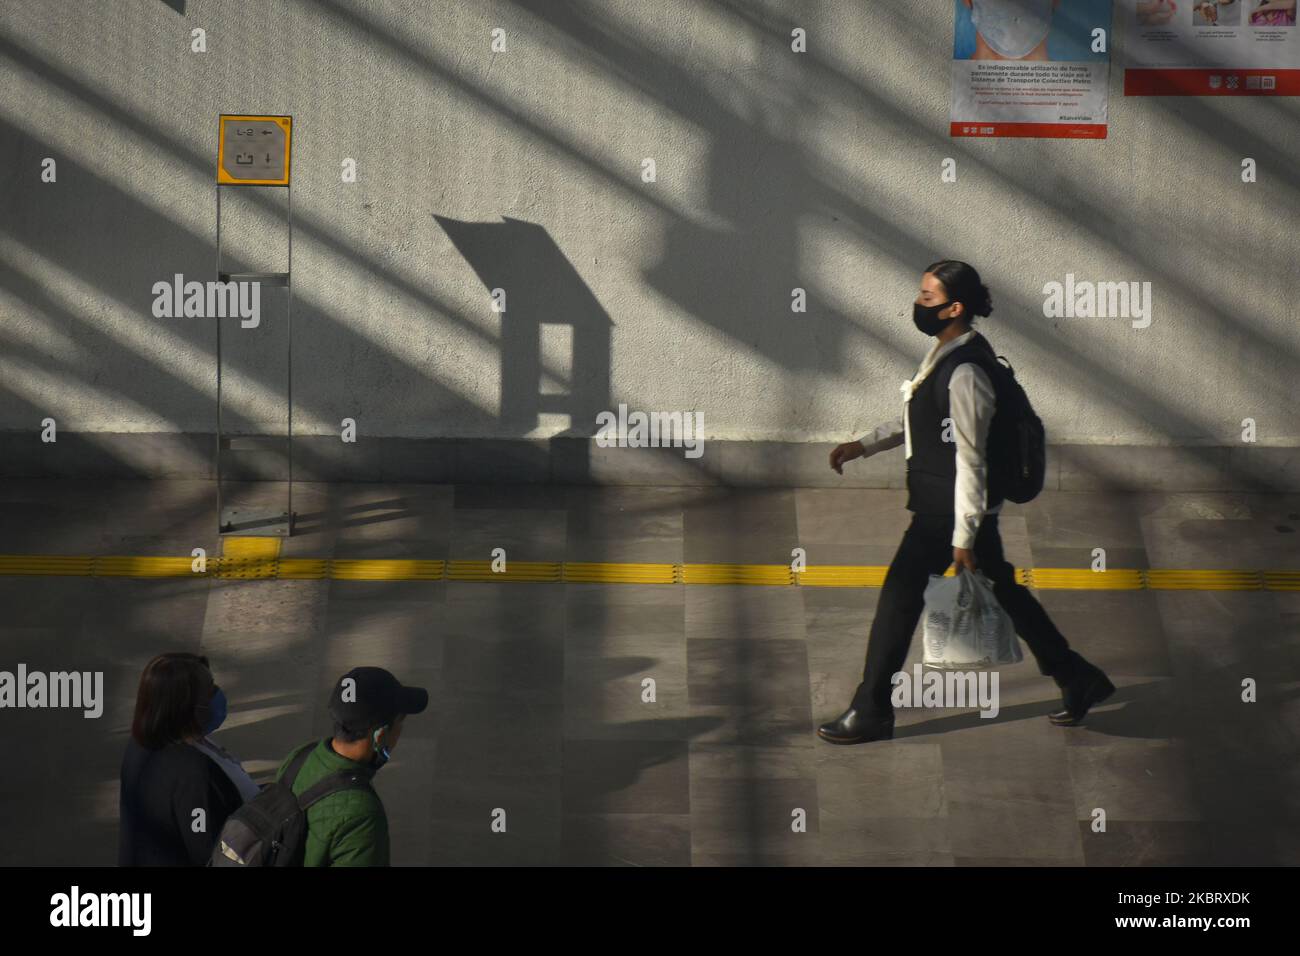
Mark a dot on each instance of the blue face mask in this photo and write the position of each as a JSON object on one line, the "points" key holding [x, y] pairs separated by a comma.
{"points": [[382, 754], [216, 712], [1012, 27]]}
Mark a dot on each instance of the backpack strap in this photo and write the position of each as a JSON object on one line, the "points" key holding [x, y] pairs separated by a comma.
{"points": [[978, 352], [966, 354], [334, 783], [295, 765]]}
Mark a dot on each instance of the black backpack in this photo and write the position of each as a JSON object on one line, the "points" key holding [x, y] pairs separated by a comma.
{"points": [[1017, 443], [271, 829]]}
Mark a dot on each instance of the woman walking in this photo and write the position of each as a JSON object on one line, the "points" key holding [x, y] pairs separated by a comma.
{"points": [[178, 787], [955, 502]]}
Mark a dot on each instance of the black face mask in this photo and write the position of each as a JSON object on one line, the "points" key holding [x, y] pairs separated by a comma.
{"points": [[926, 318]]}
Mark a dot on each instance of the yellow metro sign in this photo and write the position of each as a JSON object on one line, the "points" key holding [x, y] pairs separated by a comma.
{"points": [[253, 150]]}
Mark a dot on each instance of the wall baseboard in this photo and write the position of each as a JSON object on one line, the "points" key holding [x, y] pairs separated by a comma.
{"points": [[577, 460]]}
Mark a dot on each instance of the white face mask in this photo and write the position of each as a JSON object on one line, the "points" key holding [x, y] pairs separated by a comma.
{"points": [[1012, 27]]}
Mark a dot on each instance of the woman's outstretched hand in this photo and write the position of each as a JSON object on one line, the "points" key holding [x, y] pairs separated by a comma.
{"points": [[963, 558], [842, 454]]}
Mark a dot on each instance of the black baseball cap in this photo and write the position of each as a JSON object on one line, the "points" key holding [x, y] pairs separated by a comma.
{"points": [[374, 698]]}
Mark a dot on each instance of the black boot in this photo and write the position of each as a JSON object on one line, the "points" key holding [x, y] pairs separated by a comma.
{"points": [[1082, 687], [856, 725]]}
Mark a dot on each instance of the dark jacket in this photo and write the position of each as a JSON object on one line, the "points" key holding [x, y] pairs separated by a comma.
{"points": [[932, 469], [160, 791], [344, 829]]}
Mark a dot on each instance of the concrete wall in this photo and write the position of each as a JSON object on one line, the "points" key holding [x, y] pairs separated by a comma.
{"points": [[522, 170]]}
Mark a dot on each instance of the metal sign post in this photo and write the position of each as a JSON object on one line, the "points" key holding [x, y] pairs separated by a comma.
{"points": [[255, 151]]}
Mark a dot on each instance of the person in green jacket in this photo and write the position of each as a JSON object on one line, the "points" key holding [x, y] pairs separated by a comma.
{"points": [[350, 828]]}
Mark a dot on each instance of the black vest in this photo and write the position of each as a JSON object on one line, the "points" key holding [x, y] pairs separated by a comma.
{"points": [[932, 469]]}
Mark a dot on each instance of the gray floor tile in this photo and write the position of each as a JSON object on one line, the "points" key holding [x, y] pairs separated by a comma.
{"points": [[1012, 826], [1004, 861], [630, 549], [616, 513], [823, 553], [854, 517], [1203, 504], [526, 667], [754, 512], [626, 776], [268, 608], [465, 807], [886, 841], [401, 637], [1146, 843], [604, 690], [589, 619], [496, 497], [751, 723], [744, 611], [404, 592], [742, 544], [754, 819], [1086, 520], [1218, 543], [1133, 780], [627, 839], [1119, 631], [747, 673], [134, 619], [1247, 842], [1083, 559], [44, 602], [858, 784], [524, 534]]}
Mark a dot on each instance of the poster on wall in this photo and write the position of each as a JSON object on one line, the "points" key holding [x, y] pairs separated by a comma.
{"points": [[1030, 68], [1211, 48]]}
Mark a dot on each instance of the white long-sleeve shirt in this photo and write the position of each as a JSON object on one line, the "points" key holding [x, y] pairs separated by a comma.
{"points": [[972, 402]]}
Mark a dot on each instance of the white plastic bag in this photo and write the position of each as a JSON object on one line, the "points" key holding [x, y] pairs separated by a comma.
{"points": [[965, 627]]}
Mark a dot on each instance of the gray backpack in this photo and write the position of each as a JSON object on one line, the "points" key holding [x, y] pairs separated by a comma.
{"points": [[271, 829]]}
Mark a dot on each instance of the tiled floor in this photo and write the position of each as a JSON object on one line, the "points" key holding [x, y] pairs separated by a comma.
{"points": [[541, 706]]}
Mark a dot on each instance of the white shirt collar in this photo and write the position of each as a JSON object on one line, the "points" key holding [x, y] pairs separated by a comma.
{"points": [[936, 352]]}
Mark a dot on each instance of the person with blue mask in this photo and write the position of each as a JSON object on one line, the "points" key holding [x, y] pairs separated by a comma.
{"points": [[177, 786], [349, 826], [213, 715]]}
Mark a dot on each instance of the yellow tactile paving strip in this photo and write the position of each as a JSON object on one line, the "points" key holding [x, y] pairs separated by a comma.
{"points": [[259, 558], [250, 547]]}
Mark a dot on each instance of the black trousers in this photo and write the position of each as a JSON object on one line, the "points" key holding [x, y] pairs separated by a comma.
{"points": [[926, 549]]}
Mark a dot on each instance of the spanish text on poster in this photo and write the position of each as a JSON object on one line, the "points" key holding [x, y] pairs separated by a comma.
{"points": [[1030, 68], [1210, 48]]}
